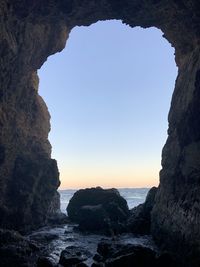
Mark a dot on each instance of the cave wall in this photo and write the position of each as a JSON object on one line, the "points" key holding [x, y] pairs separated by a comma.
{"points": [[176, 214], [33, 30], [29, 177]]}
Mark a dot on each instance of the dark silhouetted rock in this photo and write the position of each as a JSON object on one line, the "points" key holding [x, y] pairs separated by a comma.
{"points": [[97, 257], [139, 221], [126, 255], [72, 256], [112, 254], [34, 201], [97, 264], [17, 251], [166, 260], [98, 210], [94, 219], [82, 264], [45, 262]]}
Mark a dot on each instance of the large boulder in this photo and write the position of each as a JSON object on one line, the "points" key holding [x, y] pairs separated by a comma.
{"points": [[98, 210], [139, 221], [93, 218]]}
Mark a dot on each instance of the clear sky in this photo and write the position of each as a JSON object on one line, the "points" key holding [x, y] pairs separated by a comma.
{"points": [[109, 93]]}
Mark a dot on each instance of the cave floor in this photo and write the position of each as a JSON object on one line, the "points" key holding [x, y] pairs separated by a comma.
{"points": [[56, 239]]}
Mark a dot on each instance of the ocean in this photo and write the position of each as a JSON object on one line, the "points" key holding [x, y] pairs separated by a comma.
{"points": [[65, 236], [133, 196]]}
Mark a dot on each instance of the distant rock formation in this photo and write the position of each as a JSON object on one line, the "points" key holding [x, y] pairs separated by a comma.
{"points": [[98, 210]]}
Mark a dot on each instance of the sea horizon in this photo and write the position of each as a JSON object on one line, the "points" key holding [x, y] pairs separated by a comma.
{"points": [[133, 196], [78, 188]]}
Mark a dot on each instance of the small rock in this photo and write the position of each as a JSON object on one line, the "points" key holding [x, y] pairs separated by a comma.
{"points": [[73, 255]]}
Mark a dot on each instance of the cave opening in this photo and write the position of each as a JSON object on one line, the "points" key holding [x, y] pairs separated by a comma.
{"points": [[108, 93], [30, 178]]}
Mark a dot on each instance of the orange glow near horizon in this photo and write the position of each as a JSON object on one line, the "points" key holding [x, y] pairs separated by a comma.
{"points": [[74, 178]]}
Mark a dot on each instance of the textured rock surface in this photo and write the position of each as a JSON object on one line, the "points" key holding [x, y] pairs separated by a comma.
{"points": [[16, 250], [176, 213], [139, 221], [73, 256], [31, 31], [127, 255], [116, 255], [28, 177], [98, 210]]}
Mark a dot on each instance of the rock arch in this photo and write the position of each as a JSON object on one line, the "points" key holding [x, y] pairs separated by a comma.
{"points": [[33, 30]]}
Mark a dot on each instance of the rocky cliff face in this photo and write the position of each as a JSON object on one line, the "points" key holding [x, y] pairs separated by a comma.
{"points": [[33, 30], [28, 176], [176, 215]]}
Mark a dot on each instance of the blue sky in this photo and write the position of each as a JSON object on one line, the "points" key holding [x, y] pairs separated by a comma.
{"points": [[109, 93]]}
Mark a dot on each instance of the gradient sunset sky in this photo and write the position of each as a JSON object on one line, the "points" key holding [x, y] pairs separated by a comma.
{"points": [[108, 93]]}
